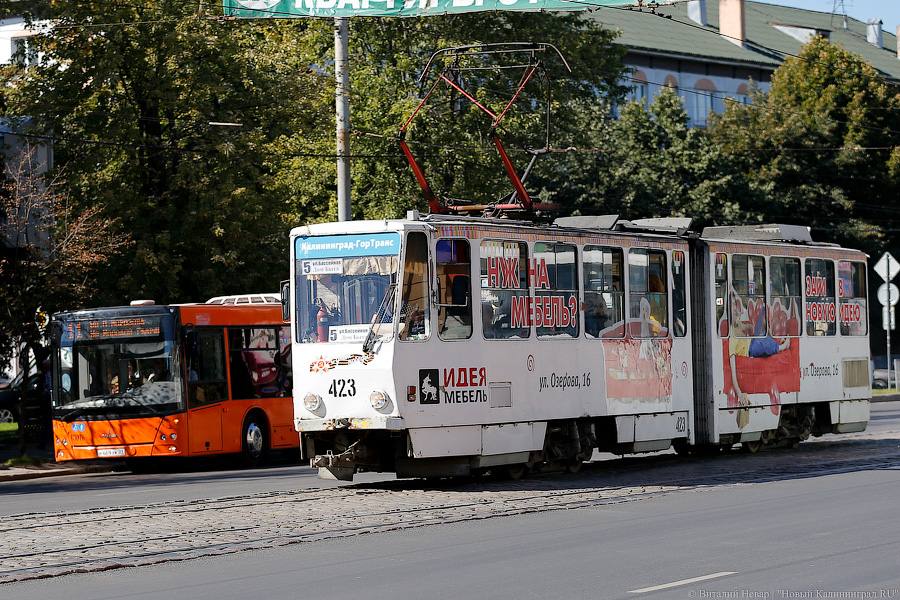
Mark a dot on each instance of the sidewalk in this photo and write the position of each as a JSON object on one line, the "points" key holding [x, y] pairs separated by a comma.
{"points": [[48, 468]]}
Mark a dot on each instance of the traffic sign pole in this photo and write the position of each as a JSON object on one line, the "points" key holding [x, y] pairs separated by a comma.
{"points": [[887, 266]]}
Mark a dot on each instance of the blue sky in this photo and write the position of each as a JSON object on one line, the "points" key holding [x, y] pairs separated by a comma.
{"points": [[861, 10]]}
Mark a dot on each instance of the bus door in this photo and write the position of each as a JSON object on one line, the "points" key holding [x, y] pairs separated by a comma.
{"points": [[207, 386]]}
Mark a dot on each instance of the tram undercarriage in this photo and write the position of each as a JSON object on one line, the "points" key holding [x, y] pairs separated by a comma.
{"points": [[567, 444]]}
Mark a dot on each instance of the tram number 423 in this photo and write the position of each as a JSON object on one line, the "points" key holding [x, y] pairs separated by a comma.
{"points": [[342, 388]]}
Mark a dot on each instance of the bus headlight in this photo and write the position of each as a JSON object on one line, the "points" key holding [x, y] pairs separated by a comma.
{"points": [[379, 400], [312, 402]]}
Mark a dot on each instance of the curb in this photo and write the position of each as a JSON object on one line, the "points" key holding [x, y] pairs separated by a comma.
{"points": [[21, 473]]}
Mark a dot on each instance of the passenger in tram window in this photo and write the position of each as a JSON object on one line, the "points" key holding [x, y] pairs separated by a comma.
{"points": [[596, 317], [657, 295]]}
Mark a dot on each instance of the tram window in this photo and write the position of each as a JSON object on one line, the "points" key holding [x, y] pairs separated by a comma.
{"points": [[256, 362], [648, 299], [820, 303], [454, 265], [555, 282], [748, 296], [852, 292], [504, 289], [414, 309], [604, 292], [206, 367], [721, 275], [784, 297], [679, 301]]}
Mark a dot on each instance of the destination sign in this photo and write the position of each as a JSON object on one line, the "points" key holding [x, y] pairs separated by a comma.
{"points": [[104, 329]]}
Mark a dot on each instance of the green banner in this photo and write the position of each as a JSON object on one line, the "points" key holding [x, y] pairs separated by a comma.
{"points": [[400, 8]]}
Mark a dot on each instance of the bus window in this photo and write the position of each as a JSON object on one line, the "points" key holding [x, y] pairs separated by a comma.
{"points": [[648, 300], [454, 265], [555, 283], [748, 302], [784, 298], [604, 292], [257, 369], [820, 304], [852, 292], [504, 289], [679, 302], [206, 367], [414, 309]]}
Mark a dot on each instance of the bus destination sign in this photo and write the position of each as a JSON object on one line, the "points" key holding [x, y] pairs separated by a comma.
{"points": [[104, 329]]}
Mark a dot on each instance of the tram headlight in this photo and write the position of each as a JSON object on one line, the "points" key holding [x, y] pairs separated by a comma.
{"points": [[380, 400], [312, 402]]}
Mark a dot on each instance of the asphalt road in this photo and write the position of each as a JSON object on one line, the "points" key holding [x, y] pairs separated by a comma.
{"points": [[788, 538], [816, 522]]}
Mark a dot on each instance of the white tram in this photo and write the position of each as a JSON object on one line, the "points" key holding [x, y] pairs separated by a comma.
{"points": [[446, 345]]}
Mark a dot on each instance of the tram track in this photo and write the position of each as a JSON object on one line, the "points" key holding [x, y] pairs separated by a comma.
{"points": [[35, 545]]}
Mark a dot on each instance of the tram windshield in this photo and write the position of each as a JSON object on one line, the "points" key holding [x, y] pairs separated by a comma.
{"points": [[120, 367], [346, 287]]}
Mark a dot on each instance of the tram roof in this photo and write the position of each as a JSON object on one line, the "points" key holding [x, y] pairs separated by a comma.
{"points": [[671, 227]]}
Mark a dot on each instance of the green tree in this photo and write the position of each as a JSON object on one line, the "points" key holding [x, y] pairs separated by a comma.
{"points": [[449, 136], [48, 252], [650, 163], [821, 146], [167, 121]]}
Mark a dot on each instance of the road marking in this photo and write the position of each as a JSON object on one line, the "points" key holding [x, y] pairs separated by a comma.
{"points": [[682, 582]]}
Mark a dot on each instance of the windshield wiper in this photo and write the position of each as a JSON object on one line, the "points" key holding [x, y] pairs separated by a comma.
{"points": [[385, 302]]}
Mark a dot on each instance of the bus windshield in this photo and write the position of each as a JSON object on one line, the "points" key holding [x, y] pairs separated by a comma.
{"points": [[118, 367], [346, 286]]}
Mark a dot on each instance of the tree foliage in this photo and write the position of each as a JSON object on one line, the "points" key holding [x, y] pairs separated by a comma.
{"points": [[167, 123], [50, 251], [820, 145], [449, 136], [650, 163]]}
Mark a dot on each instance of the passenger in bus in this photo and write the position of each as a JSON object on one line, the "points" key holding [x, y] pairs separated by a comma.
{"points": [[160, 371]]}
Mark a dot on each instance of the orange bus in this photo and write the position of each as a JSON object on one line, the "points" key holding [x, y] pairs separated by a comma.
{"points": [[145, 382]]}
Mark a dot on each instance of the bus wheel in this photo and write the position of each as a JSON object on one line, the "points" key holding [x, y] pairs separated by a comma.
{"points": [[255, 442]]}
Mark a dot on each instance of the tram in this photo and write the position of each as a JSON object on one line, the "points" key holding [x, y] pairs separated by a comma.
{"points": [[446, 345]]}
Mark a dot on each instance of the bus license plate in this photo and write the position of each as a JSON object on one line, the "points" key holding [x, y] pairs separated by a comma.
{"points": [[110, 452]]}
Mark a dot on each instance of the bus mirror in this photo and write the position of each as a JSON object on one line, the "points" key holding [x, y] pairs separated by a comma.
{"points": [[286, 301]]}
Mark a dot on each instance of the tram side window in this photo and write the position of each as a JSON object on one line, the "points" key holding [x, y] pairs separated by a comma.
{"points": [[820, 303], [720, 272], [555, 282], [207, 381], [454, 265], [852, 292], [414, 309], [748, 296], [256, 362], [648, 300], [504, 289], [784, 297], [604, 292], [679, 299]]}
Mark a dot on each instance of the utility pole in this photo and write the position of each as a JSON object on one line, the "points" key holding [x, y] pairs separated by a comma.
{"points": [[342, 104]]}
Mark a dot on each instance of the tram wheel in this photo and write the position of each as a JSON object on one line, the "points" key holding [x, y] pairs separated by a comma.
{"points": [[574, 466], [752, 447], [516, 472], [254, 439]]}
